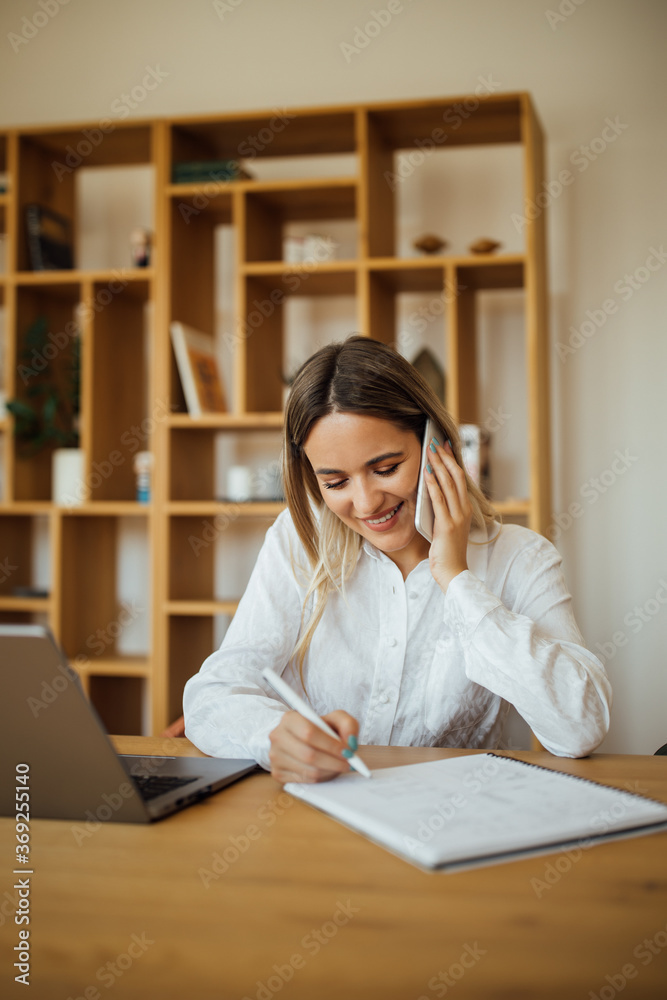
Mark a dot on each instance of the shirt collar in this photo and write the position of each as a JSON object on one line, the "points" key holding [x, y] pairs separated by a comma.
{"points": [[477, 554]]}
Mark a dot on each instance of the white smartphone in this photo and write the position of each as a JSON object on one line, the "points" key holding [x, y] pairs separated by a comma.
{"points": [[424, 515]]}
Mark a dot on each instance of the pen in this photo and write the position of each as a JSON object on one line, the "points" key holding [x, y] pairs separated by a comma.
{"points": [[292, 699]]}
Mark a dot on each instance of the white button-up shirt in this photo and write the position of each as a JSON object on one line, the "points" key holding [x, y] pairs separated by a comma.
{"points": [[414, 666]]}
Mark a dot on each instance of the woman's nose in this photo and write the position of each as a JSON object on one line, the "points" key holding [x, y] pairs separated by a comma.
{"points": [[368, 498]]}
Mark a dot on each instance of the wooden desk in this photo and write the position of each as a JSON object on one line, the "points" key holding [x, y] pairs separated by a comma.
{"points": [[253, 894]]}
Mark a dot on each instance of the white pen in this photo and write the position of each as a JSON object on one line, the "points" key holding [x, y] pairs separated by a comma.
{"points": [[292, 699]]}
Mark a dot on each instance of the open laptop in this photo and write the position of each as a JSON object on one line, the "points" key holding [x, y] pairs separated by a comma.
{"points": [[47, 723]]}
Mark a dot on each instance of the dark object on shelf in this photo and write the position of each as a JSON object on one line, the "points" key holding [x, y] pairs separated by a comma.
{"points": [[475, 442], [430, 369], [429, 243], [49, 239], [47, 415], [195, 172], [484, 246], [30, 592], [140, 247]]}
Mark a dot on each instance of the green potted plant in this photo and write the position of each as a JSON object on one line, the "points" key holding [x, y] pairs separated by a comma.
{"points": [[46, 415]]}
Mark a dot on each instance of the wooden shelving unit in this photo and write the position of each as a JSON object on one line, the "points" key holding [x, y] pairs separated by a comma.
{"points": [[129, 376]]}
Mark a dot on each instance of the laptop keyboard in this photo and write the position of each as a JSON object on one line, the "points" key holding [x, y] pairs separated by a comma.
{"points": [[153, 785]]}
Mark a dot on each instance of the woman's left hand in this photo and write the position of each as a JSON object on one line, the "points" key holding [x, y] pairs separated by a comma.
{"points": [[453, 515]]}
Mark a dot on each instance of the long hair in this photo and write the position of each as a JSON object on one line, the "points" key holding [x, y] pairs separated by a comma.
{"points": [[362, 376]]}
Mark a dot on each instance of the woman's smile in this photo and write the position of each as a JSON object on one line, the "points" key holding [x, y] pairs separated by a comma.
{"points": [[385, 520]]}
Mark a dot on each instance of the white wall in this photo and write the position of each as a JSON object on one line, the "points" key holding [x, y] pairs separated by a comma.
{"points": [[602, 60]]}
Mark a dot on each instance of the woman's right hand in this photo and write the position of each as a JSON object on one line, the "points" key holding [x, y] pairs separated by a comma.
{"points": [[302, 752]]}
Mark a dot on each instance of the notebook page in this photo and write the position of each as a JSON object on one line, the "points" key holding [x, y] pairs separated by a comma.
{"points": [[471, 806]]}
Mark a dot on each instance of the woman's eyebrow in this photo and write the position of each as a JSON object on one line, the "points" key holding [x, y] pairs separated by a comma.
{"points": [[371, 461]]}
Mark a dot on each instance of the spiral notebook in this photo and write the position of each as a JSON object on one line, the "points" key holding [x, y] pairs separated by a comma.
{"points": [[481, 809]]}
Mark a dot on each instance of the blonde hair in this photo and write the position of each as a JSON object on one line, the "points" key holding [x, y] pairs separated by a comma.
{"points": [[362, 376]]}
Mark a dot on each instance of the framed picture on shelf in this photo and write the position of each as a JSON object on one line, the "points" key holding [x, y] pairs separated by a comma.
{"points": [[198, 370]]}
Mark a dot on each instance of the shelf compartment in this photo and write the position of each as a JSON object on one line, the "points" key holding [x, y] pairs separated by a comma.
{"points": [[191, 638], [409, 276], [95, 614], [269, 211], [24, 543], [264, 342], [487, 359], [489, 272], [212, 200], [117, 402], [199, 457], [49, 162], [118, 145], [119, 701], [209, 562], [192, 264], [460, 121], [58, 303], [247, 136]]}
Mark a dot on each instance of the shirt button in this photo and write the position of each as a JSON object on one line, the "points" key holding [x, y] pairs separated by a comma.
{"points": [[391, 641], [383, 698], [413, 594]]}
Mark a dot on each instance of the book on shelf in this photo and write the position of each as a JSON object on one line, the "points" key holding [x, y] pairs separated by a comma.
{"points": [[49, 239], [197, 171], [198, 370]]}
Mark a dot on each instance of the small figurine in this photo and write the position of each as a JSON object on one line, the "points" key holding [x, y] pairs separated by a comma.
{"points": [[429, 243], [140, 243], [484, 246]]}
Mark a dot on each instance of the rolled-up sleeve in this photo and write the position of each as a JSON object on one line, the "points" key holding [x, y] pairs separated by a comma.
{"points": [[527, 649], [229, 710]]}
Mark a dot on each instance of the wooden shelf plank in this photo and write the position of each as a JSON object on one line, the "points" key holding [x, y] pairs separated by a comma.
{"points": [[105, 508], [280, 267], [205, 508], [331, 277], [288, 186], [116, 666], [227, 421], [26, 508], [40, 605], [513, 507], [201, 608], [473, 260], [74, 276]]}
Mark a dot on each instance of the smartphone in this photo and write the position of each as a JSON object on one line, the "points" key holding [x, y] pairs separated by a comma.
{"points": [[424, 515]]}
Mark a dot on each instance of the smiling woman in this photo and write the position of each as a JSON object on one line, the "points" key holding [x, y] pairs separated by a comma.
{"points": [[396, 640]]}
